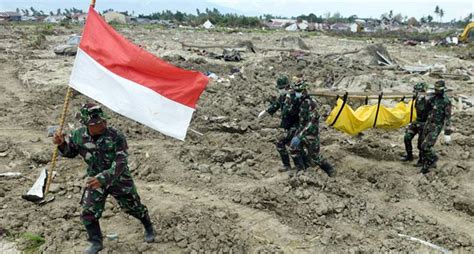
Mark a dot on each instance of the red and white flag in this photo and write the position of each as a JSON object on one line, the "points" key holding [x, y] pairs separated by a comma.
{"points": [[133, 82]]}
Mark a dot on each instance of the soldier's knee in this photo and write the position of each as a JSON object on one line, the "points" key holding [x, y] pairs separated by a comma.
{"points": [[88, 218]]}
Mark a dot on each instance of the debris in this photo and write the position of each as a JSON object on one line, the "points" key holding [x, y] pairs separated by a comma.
{"points": [[10, 174], [212, 75], [436, 247], [112, 236]]}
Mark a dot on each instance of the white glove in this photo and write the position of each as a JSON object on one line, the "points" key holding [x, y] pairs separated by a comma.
{"points": [[447, 139], [262, 114]]}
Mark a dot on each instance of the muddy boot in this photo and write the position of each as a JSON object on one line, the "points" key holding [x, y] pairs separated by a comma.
{"points": [[419, 163], [95, 238], [285, 159], [149, 231], [427, 165], [326, 167]]}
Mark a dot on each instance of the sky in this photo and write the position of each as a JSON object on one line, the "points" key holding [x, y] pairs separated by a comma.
{"points": [[453, 9]]}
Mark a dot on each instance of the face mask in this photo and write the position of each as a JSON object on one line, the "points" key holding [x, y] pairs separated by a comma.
{"points": [[283, 91], [298, 94]]}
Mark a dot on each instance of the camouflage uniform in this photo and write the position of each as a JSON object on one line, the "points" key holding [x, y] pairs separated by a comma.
{"points": [[308, 105], [416, 127], [106, 158], [439, 108], [289, 105], [308, 138]]}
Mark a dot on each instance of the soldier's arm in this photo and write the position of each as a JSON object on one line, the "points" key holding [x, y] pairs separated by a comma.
{"points": [[447, 113], [69, 148], [107, 177], [274, 106]]}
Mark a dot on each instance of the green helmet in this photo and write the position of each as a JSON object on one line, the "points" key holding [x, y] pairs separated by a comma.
{"points": [[420, 87], [440, 85], [282, 82], [92, 114]]}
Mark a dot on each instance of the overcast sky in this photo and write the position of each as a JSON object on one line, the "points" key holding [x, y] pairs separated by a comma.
{"points": [[362, 8]]}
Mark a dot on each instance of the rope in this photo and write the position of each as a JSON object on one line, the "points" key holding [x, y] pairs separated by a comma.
{"points": [[59, 131], [342, 107], [378, 107]]}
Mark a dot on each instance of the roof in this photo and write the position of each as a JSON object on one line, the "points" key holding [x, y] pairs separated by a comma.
{"points": [[9, 14]]}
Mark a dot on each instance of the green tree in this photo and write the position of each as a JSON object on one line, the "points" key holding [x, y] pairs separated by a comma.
{"points": [[58, 12], [429, 18], [441, 15]]}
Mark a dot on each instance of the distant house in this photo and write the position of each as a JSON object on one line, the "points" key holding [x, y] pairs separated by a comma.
{"points": [[28, 18], [303, 25], [356, 27], [340, 27], [292, 27], [54, 18], [79, 18], [280, 23], [208, 25], [116, 17], [10, 16], [141, 20]]}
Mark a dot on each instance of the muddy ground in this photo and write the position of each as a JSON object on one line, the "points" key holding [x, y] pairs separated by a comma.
{"points": [[221, 192]]}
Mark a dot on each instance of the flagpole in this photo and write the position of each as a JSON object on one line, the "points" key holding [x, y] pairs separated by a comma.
{"points": [[60, 131]]}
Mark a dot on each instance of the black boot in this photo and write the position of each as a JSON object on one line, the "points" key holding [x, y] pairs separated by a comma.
{"points": [[419, 163], [408, 157], [285, 159], [95, 238], [326, 167], [427, 165], [299, 163], [149, 231]]}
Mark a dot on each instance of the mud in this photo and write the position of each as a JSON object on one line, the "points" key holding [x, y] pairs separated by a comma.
{"points": [[221, 192]]}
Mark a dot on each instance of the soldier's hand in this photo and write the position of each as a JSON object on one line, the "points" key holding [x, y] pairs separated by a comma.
{"points": [[93, 183], [58, 138]]}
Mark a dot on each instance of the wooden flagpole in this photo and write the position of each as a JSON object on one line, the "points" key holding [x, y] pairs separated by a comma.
{"points": [[60, 131]]}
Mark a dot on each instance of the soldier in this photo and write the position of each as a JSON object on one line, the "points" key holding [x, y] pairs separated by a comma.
{"points": [[308, 138], [104, 149], [288, 103], [416, 127], [308, 104], [439, 115]]}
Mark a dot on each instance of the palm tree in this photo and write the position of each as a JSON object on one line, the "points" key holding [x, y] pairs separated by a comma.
{"points": [[441, 14], [436, 10]]}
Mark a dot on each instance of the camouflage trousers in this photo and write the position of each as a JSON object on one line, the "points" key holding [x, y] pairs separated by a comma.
{"points": [[125, 192], [429, 136], [281, 144], [309, 151], [410, 133]]}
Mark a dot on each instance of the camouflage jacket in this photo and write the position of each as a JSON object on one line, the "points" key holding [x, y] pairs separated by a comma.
{"points": [[307, 105], [311, 129], [106, 156], [421, 112], [289, 106], [439, 111]]}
